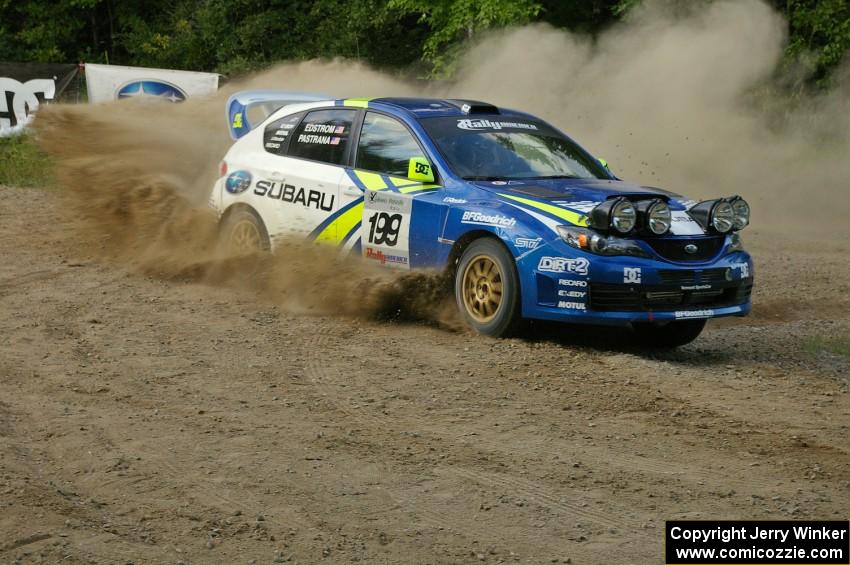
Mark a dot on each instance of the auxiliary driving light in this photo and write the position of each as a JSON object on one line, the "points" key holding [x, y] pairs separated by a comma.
{"points": [[617, 214], [723, 217], [715, 214], [655, 216], [741, 210]]}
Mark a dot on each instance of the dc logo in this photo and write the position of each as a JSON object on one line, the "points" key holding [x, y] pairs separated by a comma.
{"points": [[421, 168], [631, 275], [151, 90], [19, 100], [237, 181]]}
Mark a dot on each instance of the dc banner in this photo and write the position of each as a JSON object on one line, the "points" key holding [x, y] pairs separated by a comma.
{"points": [[24, 86], [113, 82]]}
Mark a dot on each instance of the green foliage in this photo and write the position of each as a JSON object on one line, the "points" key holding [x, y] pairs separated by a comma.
{"points": [[819, 29], [623, 6], [585, 16], [23, 164], [236, 36], [453, 22]]}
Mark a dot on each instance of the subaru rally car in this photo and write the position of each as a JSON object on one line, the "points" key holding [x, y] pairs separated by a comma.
{"points": [[530, 225]]}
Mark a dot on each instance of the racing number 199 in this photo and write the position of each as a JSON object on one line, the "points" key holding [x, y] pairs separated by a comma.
{"points": [[384, 228]]}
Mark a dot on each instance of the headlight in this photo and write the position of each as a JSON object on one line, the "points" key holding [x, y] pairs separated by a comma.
{"points": [[617, 214], [654, 216], [741, 211], [722, 217], [588, 240]]}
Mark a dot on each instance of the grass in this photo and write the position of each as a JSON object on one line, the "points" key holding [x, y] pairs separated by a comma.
{"points": [[23, 164], [817, 345]]}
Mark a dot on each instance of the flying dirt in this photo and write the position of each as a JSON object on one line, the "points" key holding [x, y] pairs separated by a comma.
{"points": [[163, 401], [682, 111]]}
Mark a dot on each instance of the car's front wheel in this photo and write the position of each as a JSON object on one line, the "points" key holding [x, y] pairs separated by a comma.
{"points": [[487, 288], [243, 232], [669, 335]]}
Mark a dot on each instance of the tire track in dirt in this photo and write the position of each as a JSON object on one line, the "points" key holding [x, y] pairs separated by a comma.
{"points": [[61, 501], [160, 472], [223, 500], [322, 378]]}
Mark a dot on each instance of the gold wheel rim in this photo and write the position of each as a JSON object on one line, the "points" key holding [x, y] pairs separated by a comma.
{"points": [[245, 237], [482, 288]]}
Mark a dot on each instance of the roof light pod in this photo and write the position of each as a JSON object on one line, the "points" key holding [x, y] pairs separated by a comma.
{"points": [[617, 214]]}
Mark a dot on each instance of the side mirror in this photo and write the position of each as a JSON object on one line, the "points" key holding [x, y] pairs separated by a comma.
{"points": [[419, 169]]}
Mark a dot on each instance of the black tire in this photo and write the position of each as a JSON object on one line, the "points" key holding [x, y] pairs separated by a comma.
{"points": [[240, 222], [669, 335], [482, 315]]}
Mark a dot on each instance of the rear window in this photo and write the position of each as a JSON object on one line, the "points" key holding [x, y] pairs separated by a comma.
{"points": [[277, 133], [323, 136]]}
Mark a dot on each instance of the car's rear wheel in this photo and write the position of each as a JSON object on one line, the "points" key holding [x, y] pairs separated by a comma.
{"points": [[487, 288], [669, 335], [243, 232]]}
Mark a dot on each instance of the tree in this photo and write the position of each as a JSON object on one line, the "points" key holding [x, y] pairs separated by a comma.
{"points": [[451, 23], [820, 32], [235, 36]]}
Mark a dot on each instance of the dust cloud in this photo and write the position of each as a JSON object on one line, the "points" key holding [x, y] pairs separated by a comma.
{"points": [[672, 97], [131, 181], [680, 99]]}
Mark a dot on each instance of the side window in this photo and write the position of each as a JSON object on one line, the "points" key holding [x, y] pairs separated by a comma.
{"points": [[274, 138], [323, 136], [386, 146]]}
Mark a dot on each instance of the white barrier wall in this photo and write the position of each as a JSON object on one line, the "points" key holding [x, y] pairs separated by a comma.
{"points": [[113, 82]]}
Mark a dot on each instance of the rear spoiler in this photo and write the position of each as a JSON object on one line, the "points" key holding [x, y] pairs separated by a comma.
{"points": [[267, 101]]}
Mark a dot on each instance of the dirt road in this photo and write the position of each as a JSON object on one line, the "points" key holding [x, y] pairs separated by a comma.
{"points": [[148, 421]]}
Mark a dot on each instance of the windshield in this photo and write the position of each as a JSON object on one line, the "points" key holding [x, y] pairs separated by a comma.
{"points": [[499, 147]]}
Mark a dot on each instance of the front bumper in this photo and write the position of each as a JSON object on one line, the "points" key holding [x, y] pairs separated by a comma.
{"points": [[619, 290]]}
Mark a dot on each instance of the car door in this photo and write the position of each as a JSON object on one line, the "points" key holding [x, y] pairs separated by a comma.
{"points": [[396, 218], [310, 151]]}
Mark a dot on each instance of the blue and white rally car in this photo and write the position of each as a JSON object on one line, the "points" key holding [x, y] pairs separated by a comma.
{"points": [[529, 224]]}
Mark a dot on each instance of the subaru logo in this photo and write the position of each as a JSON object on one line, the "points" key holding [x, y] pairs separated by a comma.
{"points": [[151, 90], [691, 248], [237, 181]]}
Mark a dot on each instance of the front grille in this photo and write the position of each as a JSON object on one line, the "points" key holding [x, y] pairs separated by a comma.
{"points": [[629, 298], [673, 249], [696, 276]]}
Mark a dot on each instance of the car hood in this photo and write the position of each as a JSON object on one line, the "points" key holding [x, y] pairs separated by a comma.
{"points": [[577, 197], [580, 194]]}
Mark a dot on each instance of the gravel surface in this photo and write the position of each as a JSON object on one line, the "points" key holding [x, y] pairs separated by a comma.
{"points": [[153, 421]]}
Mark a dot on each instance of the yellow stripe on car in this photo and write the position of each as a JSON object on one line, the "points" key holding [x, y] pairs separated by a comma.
{"points": [[339, 228], [372, 181], [417, 187], [398, 183], [572, 217]]}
